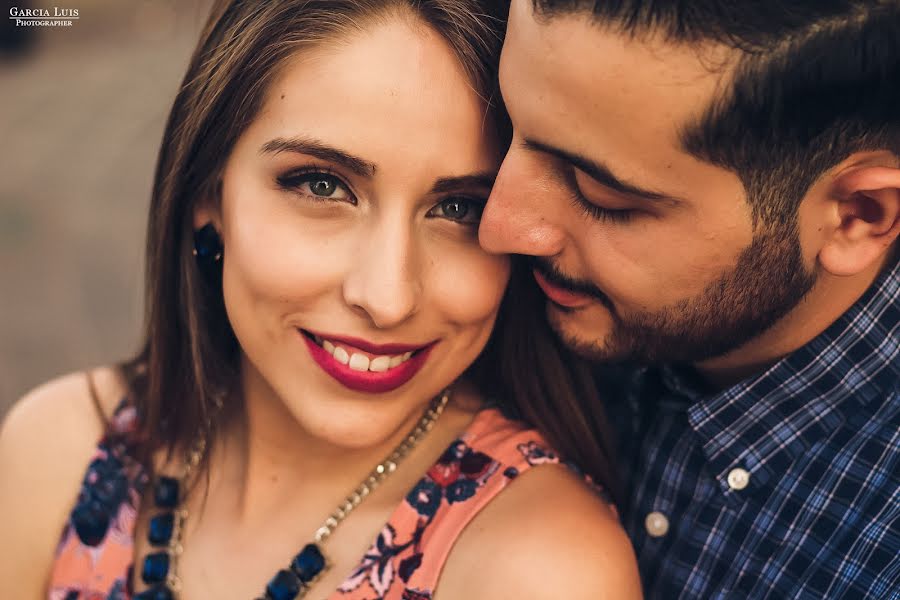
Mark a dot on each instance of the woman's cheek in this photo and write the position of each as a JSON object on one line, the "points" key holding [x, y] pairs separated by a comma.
{"points": [[267, 281], [469, 284]]}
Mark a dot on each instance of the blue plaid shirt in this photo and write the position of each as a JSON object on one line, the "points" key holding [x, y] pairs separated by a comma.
{"points": [[786, 485]]}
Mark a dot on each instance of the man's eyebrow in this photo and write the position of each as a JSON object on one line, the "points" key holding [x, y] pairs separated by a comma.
{"points": [[600, 173], [312, 147], [465, 182]]}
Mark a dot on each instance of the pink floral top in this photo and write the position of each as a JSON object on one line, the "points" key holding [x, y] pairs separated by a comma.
{"points": [[95, 553]]}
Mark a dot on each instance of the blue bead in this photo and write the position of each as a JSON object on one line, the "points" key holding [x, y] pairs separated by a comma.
{"points": [[160, 531], [91, 523], [308, 563], [156, 567], [284, 586], [166, 492], [157, 592]]}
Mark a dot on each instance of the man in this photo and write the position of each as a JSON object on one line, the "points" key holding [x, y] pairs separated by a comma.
{"points": [[713, 189]]}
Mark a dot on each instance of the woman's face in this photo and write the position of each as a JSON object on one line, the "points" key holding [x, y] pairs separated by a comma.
{"points": [[352, 273]]}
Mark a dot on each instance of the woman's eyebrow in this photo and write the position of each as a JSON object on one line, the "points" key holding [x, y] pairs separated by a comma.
{"points": [[464, 182], [313, 147]]}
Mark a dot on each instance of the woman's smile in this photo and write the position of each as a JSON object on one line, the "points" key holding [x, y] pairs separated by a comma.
{"points": [[362, 366], [359, 249]]}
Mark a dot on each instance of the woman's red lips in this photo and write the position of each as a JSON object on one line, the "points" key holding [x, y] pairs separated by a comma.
{"points": [[365, 346], [559, 296], [367, 381]]}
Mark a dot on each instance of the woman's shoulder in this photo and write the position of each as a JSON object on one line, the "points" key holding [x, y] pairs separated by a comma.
{"points": [[46, 442], [507, 440], [548, 535], [65, 412]]}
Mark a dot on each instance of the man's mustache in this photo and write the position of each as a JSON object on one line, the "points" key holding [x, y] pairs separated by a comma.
{"points": [[561, 280]]}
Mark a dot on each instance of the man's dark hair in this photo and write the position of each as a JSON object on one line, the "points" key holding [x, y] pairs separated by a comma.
{"points": [[817, 80]]}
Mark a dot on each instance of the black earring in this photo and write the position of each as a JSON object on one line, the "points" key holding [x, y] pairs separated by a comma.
{"points": [[207, 245]]}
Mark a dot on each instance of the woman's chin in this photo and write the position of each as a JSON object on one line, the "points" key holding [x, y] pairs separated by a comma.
{"points": [[356, 425]]}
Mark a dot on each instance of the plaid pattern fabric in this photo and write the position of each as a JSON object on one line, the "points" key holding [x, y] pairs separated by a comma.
{"points": [[819, 435]]}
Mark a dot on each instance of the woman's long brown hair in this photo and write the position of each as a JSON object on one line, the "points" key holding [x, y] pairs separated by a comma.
{"points": [[189, 356]]}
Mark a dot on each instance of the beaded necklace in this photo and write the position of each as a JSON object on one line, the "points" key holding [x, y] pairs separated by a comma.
{"points": [[160, 567]]}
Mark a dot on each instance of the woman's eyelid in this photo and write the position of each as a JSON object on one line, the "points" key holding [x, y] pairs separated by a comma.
{"points": [[295, 178], [476, 200]]}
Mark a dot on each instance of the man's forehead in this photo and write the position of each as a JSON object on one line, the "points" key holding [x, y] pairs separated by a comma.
{"points": [[568, 64], [612, 98], [577, 39]]}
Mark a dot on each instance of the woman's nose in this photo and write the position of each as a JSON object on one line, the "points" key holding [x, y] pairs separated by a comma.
{"points": [[384, 283]]}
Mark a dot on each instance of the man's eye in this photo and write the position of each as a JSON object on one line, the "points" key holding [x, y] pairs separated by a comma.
{"points": [[317, 185], [600, 213], [461, 210], [577, 181]]}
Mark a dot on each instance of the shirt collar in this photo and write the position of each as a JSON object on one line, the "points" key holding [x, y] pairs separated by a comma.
{"points": [[765, 423]]}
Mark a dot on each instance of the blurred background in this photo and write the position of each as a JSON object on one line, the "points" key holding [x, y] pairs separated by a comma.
{"points": [[82, 111]]}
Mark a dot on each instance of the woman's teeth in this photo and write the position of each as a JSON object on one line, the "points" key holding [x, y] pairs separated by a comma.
{"points": [[361, 362]]}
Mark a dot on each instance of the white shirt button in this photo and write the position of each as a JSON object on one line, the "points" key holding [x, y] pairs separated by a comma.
{"points": [[738, 479], [657, 524]]}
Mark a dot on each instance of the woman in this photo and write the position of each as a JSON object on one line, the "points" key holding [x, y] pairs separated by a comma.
{"points": [[318, 302]]}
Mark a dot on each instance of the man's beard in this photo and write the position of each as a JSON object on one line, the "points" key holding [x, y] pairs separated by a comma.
{"points": [[767, 281]]}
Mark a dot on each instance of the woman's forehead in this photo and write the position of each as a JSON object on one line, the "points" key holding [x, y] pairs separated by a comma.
{"points": [[390, 94]]}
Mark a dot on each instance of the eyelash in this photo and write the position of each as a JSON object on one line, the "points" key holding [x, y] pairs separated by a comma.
{"points": [[295, 179], [598, 212], [476, 203], [593, 211]]}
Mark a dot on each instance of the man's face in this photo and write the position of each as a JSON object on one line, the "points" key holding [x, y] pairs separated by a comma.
{"points": [[645, 252]]}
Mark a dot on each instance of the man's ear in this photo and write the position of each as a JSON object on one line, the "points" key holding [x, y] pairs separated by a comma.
{"points": [[866, 220]]}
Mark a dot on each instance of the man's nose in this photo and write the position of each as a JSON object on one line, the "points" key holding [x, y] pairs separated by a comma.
{"points": [[520, 215]]}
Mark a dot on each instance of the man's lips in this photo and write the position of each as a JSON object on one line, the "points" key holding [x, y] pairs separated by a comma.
{"points": [[559, 296]]}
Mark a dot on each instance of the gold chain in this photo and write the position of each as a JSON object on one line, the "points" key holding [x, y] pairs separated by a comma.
{"points": [[384, 468], [375, 477], [193, 458]]}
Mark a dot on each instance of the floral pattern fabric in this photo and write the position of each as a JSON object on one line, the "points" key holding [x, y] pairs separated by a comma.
{"points": [[94, 554], [404, 562]]}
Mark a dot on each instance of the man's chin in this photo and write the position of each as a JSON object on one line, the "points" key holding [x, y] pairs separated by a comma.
{"points": [[586, 332]]}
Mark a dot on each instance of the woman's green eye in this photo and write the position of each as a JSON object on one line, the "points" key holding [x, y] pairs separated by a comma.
{"points": [[463, 210], [316, 185], [323, 185], [455, 209]]}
